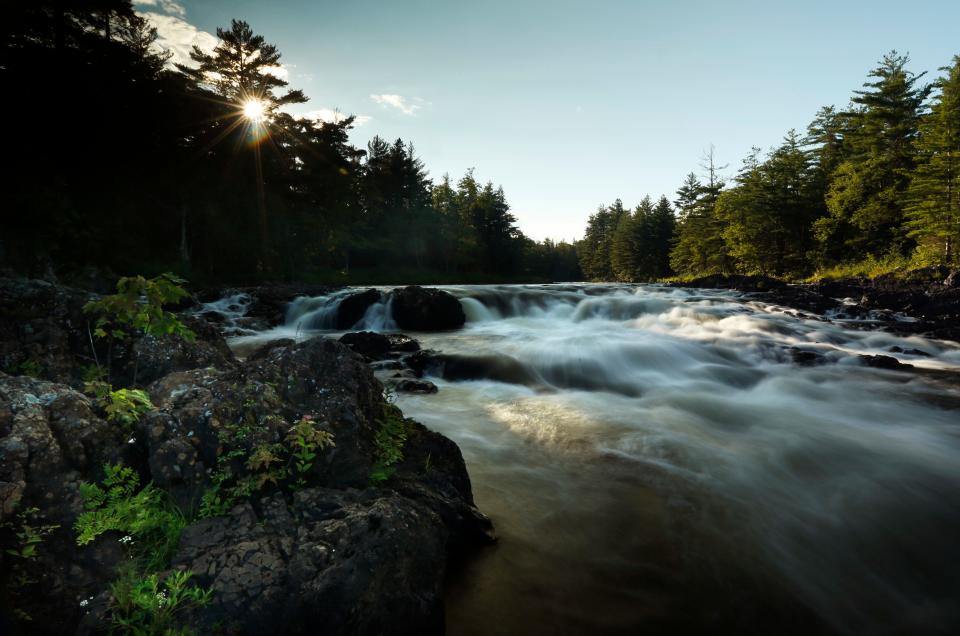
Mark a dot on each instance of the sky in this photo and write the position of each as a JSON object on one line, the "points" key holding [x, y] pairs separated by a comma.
{"points": [[571, 105]]}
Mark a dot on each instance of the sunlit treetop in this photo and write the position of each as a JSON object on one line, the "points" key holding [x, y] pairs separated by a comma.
{"points": [[242, 70]]}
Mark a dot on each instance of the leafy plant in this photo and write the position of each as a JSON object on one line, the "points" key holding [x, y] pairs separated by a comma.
{"points": [[390, 440], [138, 304], [28, 534], [306, 440], [145, 515], [124, 406], [30, 367], [147, 606]]}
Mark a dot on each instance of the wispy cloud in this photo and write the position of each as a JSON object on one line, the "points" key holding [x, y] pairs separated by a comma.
{"points": [[179, 37], [277, 71], [399, 102], [333, 116], [170, 7]]}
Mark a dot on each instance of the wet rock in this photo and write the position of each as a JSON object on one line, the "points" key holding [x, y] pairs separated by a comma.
{"points": [[909, 352], [386, 365], [806, 358], [367, 343], [410, 385], [404, 344], [801, 298], [352, 308], [268, 303], [421, 309], [884, 362]]}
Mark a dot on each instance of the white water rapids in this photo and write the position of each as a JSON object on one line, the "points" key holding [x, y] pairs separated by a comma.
{"points": [[655, 462]]}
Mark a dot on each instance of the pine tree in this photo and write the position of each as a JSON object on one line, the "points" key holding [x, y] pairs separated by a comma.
{"points": [[242, 67], [700, 248], [867, 189], [933, 199]]}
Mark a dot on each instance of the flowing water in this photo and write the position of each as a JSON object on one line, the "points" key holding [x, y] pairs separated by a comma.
{"points": [[655, 462]]}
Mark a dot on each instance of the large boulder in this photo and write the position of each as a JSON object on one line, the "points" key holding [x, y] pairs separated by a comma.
{"points": [[329, 545], [352, 308], [422, 309]]}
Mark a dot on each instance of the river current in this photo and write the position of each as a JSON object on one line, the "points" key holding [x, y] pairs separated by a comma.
{"points": [[655, 461]]}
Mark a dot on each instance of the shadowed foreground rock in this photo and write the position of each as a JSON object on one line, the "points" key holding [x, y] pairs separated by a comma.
{"points": [[338, 552]]}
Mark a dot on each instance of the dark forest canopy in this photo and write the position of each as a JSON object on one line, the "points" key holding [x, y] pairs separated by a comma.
{"points": [[123, 163], [878, 181]]}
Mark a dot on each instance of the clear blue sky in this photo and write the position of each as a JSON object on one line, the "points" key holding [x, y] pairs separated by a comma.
{"points": [[572, 104]]}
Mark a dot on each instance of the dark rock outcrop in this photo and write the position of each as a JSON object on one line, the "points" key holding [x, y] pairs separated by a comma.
{"points": [[336, 549], [45, 332], [422, 309], [355, 562], [50, 440]]}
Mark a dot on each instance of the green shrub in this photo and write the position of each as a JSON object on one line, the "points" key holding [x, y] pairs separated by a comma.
{"points": [[390, 439], [138, 304]]}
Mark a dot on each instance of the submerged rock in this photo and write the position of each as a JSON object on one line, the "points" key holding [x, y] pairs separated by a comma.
{"points": [[422, 309]]}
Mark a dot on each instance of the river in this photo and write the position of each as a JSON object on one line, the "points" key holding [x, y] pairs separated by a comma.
{"points": [[655, 461]]}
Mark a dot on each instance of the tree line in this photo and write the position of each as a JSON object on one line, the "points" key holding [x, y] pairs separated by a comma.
{"points": [[878, 180], [118, 159]]}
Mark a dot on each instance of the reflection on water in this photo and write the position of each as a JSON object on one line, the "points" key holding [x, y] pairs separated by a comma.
{"points": [[670, 470]]}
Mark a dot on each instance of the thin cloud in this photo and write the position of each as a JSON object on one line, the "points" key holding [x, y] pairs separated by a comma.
{"points": [[169, 7], [333, 116], [277, 71], [399, 102]]}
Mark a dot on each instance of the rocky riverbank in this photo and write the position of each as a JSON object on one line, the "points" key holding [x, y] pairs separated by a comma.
{"points": [[924, 302], [305, 498]]}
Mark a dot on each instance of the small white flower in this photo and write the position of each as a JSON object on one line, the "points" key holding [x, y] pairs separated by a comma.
{"points": [[84, 603], [132, 440], [161, 599], [190, 434], [126, 540]]}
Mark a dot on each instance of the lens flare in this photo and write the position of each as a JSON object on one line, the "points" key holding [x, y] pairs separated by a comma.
{"points": [[255, 110]]}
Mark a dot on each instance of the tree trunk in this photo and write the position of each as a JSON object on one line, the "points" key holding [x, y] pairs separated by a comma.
{"points": [[184, 251]]}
